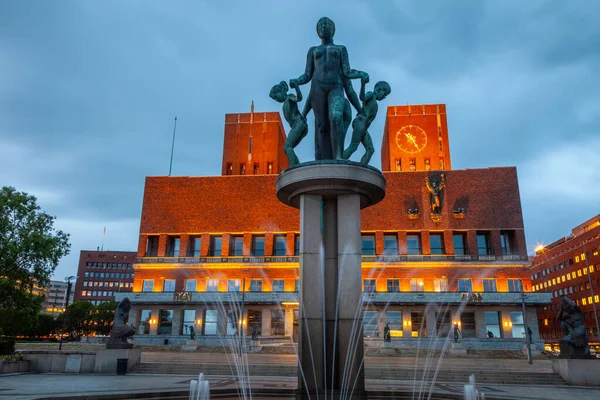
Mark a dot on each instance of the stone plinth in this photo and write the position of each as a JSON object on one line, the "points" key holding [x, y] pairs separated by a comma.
{"points": [[578, 371], [106, 360], [458, 348], [330, 195], [572, 352], [190, 345]]}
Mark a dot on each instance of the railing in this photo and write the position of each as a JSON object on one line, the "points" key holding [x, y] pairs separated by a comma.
{"points": [[366, 258], [209, 297]]}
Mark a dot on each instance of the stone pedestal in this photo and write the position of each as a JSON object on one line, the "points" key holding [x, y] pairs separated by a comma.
{"points": [[330, 195], [106, 360], [458, 348], [578, 371], [190, 345]]}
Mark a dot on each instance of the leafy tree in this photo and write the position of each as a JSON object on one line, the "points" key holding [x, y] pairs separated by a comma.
{"points": [[47, 325], [79, 318], [30, 249], [103, 317]]}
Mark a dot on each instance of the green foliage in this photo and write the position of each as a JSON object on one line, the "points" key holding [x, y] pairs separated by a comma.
{"points": [[30, 249], [46, 325], [104, 316], [79, 318], [12, 357], [7, 346]]}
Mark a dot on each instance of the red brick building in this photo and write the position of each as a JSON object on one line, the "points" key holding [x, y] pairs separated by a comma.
{"points": [[569, 266], [103, 274], [206, 242]]}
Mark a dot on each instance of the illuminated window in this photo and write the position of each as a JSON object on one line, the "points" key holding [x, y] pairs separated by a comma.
{"points": [[278, 285], [390, 244], [147, 285], [427, 164], [190, 285], [583, 256], [436, 243], [369, 285], [441, 163], [393, 285], [576, 259], [589, 300], [169, 285], [569, 276], [412, 163], [584, 301], [465, 285], [585, 270], [489, 285], [562, 278], [515, 285], [440, 285], [280, 245], [579, 272], [546, 322], [394, 322], [416, 285], [595, 298], [233, 285], [398, 165], [418, 327], [258, 246], [212, 285], [368, 245], [591, 268], [554, 281]]}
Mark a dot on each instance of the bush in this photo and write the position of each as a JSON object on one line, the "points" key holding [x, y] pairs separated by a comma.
{"points": [[7, 346], [12, 357]]}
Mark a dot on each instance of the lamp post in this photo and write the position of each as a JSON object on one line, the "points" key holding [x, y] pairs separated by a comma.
{"points": [[69, 284], [242, 317], [528, 337]]}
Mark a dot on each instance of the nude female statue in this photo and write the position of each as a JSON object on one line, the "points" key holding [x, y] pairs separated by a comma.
{"points": [[328, 70]]}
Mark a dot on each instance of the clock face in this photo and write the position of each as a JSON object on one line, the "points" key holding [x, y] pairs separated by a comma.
{"points": [[411, 139]]}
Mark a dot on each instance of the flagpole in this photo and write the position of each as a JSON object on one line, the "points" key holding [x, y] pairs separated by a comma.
{"points": [[173, 145]]}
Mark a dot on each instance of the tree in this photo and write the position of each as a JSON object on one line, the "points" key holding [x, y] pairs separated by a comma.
{"points": [[30, 249], [104, 316], [79, 318]]}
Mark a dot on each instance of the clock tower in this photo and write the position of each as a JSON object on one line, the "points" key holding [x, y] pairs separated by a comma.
{"points": [[415, 138]]}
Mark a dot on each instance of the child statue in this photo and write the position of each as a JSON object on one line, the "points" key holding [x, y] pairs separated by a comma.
{"points": [[298, 125], [365, 117]]}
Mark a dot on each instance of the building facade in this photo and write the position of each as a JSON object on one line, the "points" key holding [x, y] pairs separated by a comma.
{"points": [[55, 297], [220, 254], [103, 274], [569, 266]]}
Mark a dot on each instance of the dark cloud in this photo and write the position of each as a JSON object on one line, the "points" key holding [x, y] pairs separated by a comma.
{"points": [[88, 92]]}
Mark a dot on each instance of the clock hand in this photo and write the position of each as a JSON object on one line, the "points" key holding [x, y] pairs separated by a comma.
{"points": [[412, 139]]}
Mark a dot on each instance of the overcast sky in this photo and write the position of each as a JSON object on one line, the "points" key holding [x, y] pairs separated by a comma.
{"points": [[89, 90]]}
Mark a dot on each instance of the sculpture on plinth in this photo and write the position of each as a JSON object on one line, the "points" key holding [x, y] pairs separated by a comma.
{"points": [[121, 330], [575, 342], [386, 334], [456, 333], [328, 70]]}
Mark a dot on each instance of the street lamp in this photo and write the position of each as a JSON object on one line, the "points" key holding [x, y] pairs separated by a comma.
{"points": [[528, 337]]}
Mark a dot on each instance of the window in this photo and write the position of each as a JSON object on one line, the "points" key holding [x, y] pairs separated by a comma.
{"points": [[369, 285], [256, 169], [280, 245], [297, 245], [518, 327], [87, 274], [390, 244], [394, 322], [255, 318], [211, 317], [233, 285], [370, 323], [440, 285], [212, 285], [277, 322], [250, 146], [443, 324], [427, 164], [169, 285], [417, 324], [467, 322], [194, 246], [489, 285], [393, 285], [436, 243], [441, 163], [242, 169], [398, 164], [173, 245], [464, 285], [459, 243], [368, 245], [229, 169], [151, 248], [412, 164], [189, 322], [484, 246], [215, 246], [144, 322], [258, 246], [269, 168], [506, 239], [190, 285], [256, 285], [297, 285], [492, 324], [165, 322], [232, 318], [416, 285], [278, 285], [413, 243], [236, 246], [147, 285], [515, 285]]}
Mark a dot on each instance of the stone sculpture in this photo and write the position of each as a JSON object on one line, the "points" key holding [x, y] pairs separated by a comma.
{"points": [[297, 121], [121, 330], [575, 342], [435, 190], [328, 70], [456, 333], [365, 117], [386, 334]]}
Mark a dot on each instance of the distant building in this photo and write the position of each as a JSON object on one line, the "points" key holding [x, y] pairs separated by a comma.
{"points": [[428, 260], [102, 274], [569, 266], [55, 297]]}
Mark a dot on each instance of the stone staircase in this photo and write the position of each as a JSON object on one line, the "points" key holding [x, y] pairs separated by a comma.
{"points": [[403, 374]]}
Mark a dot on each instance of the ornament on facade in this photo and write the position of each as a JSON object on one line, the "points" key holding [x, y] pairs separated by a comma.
{"points": [[413, 213], [435, 189], [459, 213]]}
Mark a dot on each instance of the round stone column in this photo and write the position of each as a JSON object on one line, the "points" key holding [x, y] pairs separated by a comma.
{"points": [[330, 195]]}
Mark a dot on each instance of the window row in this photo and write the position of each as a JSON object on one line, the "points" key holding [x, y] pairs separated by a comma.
{"points": [[412, 163], [413, 245], [104, 265], [240, 169], [107, 284], [107, 275], [94, 293], [563, 278], [212, 285], [441, 285]]}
